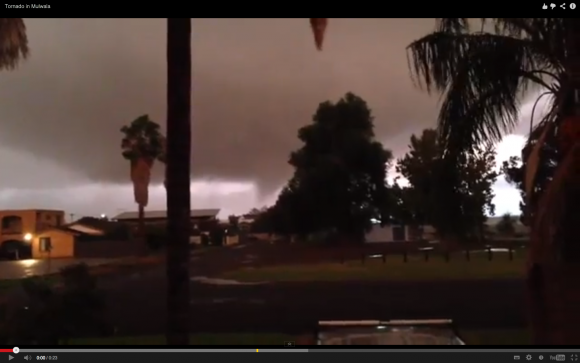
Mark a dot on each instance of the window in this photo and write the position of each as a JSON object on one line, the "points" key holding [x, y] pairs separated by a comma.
{"points": [[11, 225], [58, 221], [47, 217], [44, 244]]}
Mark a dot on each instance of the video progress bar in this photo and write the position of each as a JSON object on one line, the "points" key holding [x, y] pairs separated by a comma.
{"points": [[416, 356], [149, 350], [325, 349]]}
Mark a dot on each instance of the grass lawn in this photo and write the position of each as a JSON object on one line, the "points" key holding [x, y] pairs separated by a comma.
{"points": [[393, 269], [11, 283], [471, 337]]}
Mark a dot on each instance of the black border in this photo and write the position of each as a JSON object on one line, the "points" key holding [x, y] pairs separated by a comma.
{"points": [[236, 9]]}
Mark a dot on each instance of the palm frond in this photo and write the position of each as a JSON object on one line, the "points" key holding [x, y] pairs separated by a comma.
{"points": [[545, 36], [542, 154], [141, 139], [13, 42], [452, 25], [436, 59], [548, 93], [520, 27], [481, 77], [533, 162], [551, 205]]}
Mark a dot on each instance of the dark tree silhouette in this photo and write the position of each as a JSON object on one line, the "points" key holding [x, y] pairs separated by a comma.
{"points": [[482, 76], [339, 181]]}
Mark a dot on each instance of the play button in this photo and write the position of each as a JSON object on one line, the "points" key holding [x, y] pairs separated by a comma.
{"points": [[10, 357]]}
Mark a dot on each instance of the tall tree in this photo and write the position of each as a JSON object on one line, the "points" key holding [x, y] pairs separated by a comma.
{"points": [[339, 182], [13, 42], [402, 206], [514, 171], [430, 187], [506, 225], [261, 220], [178, 178], [141, 147], [482, 76]]}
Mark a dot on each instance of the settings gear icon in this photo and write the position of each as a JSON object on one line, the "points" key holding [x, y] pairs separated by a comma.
{"points": [[529, 357]]}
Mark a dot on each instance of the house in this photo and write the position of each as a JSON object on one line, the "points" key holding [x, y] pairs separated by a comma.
{"points": [[519, 228], [227, 239], [246, 221], [399, 233], [17, 228], [198, 217], [85, 238], [55, 242], [230, 237]]}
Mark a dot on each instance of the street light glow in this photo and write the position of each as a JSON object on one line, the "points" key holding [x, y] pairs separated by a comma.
{"points": [[28, 237], [27, 263]]}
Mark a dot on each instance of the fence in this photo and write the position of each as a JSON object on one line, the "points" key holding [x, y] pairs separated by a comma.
{"points": [[427, 251]]}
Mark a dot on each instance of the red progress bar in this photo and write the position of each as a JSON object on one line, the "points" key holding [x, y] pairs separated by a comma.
{"points": [[6, 351]]}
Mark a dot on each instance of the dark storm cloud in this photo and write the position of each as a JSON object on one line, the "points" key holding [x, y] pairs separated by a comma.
{"points": [[102, 199], [255, 82]]}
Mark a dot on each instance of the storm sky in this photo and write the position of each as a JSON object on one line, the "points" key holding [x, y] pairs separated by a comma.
{"points": [[255, 82]]}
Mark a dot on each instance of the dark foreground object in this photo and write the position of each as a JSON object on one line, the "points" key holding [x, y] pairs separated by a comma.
{"points": [[393, 332], [137, 306]]}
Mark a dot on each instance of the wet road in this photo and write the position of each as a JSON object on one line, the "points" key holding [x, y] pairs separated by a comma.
{"points": [[138, 306], [25, 268]]}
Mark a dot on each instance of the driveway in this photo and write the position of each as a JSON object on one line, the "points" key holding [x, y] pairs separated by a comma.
{"points": [[26, 268]]}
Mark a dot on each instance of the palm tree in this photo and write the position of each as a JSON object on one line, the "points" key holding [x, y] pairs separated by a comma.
{"points": [[482, 76], [13, 42], [177, 157], [178, 179], [141, 146]]}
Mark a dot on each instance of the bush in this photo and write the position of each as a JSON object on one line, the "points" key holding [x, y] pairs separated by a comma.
{"points": [[43, 314], [156, 241], [156, 237]]}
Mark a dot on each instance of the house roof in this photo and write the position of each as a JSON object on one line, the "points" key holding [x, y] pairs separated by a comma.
{"points": [[94, 224], [161, 214], [90, 226], [60, 229], [81, 228]]}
